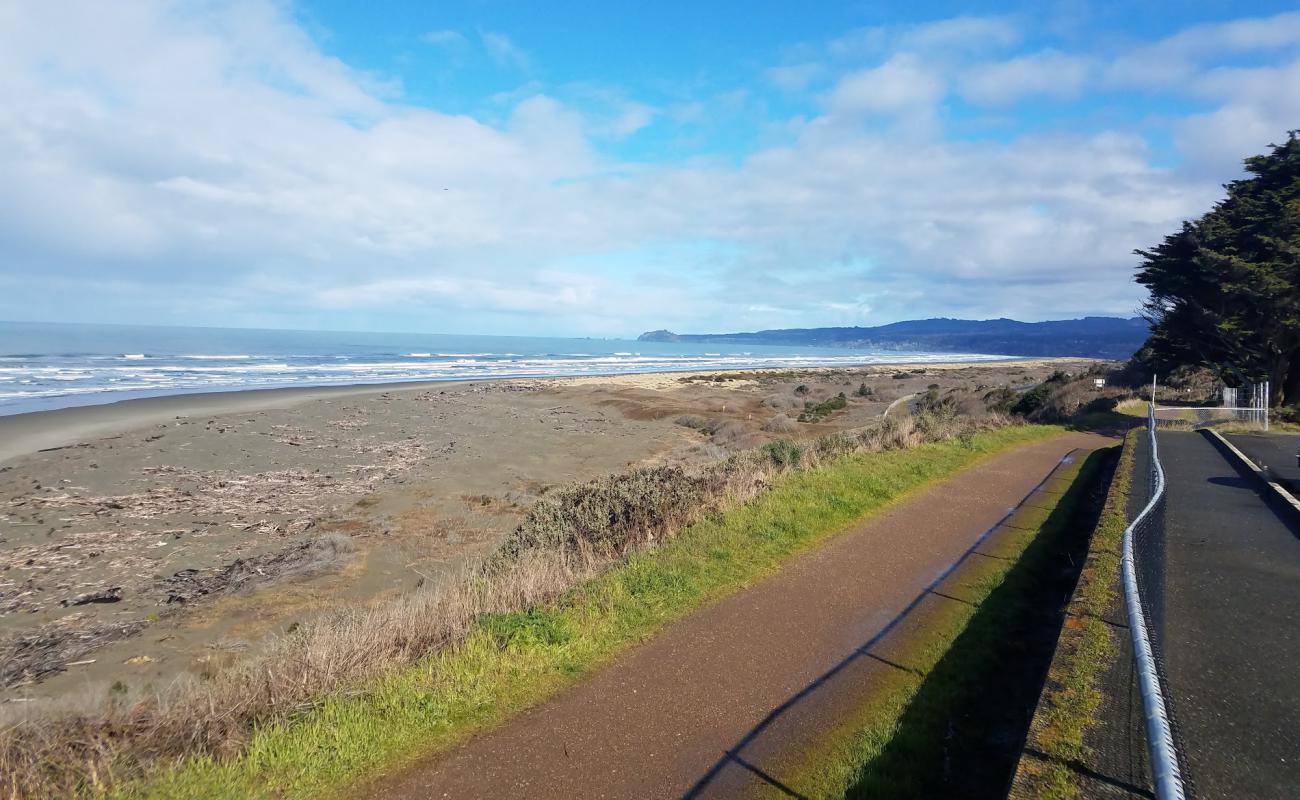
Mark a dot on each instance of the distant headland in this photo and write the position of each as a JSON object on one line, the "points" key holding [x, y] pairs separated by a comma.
{"points": [[1089, 337]]}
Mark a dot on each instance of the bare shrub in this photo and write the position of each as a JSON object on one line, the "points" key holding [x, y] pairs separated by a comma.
{"points": [[782, 402], [729, 433], [690, 421], [780, 424]]}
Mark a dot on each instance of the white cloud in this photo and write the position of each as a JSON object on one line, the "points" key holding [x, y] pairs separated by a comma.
{"points": [[154, 155], [1047, 73], [973, 34], [899, 86], [504, 51], [942, 38], [1176, 59], [445, 38], [795, 77], [1255, 108]]}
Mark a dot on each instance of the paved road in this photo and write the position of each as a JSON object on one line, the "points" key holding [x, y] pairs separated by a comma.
{"points": [[1277, 451], [684, 712], [1232, 609]]}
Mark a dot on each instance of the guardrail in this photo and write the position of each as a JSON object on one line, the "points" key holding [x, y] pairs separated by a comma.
{"points": [[1144, 603]]}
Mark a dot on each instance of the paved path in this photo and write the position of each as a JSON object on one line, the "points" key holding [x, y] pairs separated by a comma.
{"points": [[896, 404], [1277, 451], [662, 720], [1232, 623]]}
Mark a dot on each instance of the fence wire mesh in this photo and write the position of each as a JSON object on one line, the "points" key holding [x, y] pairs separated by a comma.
{"points": [[1144, 590]]}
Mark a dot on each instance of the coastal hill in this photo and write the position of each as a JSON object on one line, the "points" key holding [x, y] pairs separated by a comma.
{"points": [[1090, 337]]}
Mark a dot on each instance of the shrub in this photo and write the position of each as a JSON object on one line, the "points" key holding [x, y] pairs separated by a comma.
{"points": [[816, 412], [902, 376], [609, 514], [801, 389], [1101, 404], [1000, 400], [780, 424], [784, 453], [782, 402], [728, 432], [863, 390], [690, 421]]}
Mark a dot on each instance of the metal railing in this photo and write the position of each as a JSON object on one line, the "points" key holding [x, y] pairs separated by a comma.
{"points": [[1142, 565]]}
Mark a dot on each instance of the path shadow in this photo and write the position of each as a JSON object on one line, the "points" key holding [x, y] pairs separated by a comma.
{"points": [[1028, 654], [1245, 478]]}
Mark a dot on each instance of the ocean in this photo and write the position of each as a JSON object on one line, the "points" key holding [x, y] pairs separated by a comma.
{"points": [[47, 365]]}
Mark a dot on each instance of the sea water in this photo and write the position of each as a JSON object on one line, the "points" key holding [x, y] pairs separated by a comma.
{"points": [[48, 365]]}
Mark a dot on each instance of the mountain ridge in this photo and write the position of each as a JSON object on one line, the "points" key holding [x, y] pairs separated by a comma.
{"points": [[1090, 337]]}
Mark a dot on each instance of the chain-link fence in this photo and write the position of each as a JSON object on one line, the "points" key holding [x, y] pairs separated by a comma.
{"points": [[1143, 564], [1245, 406]]}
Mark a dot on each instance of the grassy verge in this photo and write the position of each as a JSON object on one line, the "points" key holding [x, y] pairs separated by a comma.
{"points": [[1085, 651], [951, 723], [511, 661]]}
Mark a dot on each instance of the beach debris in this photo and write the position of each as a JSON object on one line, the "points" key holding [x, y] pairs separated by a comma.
{"points": [[111, 595], [53, 647], [188, 585]]}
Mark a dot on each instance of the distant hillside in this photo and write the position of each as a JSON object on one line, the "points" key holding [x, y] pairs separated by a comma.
{"points": [[1091, 337]]}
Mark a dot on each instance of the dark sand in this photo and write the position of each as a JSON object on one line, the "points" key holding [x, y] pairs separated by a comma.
{"points": [[169, 536]]}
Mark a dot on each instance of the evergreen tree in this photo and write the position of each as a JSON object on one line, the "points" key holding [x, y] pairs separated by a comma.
{"points": [[1225, 290]]}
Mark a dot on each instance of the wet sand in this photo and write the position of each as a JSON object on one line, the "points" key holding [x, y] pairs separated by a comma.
{"points": [[153, 538]]}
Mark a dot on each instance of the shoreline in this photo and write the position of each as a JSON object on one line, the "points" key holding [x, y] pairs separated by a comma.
{"points": [[31, 432], [219, 519]]}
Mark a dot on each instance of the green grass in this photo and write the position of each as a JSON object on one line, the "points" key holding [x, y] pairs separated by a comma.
{"points": [[948, 728], [513, 661], [1085, 651]]}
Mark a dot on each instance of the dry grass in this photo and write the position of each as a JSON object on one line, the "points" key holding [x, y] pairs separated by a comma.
{"points": [[87, 745], [780, 424]]}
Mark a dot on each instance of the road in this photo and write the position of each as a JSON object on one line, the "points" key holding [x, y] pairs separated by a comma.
{"points": [[1277, 451], [1232, 625], [713, 704]]}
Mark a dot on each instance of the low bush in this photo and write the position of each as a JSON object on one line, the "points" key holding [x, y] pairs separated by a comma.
{"points": [[729, 433], [864, 390], [690, 421], [784, 454], [782, 402], [902, 376], [780, 424], [816, 412]]}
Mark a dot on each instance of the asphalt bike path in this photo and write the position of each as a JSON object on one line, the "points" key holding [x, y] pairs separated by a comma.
{"points": [[677, 715], [1232, 624]]}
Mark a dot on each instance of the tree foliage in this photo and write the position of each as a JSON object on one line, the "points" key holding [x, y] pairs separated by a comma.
{"points": [[1225, 289]]}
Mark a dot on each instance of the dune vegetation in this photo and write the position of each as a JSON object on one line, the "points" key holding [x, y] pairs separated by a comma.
{"points": [[591, 571]]}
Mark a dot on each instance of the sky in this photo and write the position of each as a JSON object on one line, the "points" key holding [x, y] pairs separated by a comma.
{"points": [[602, 168]]}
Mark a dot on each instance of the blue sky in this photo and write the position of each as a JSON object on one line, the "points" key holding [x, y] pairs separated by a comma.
{"points": [[593, 168]]}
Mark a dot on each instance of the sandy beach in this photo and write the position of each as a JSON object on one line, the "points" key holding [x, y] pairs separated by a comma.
{"points": [[153, 538]]}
